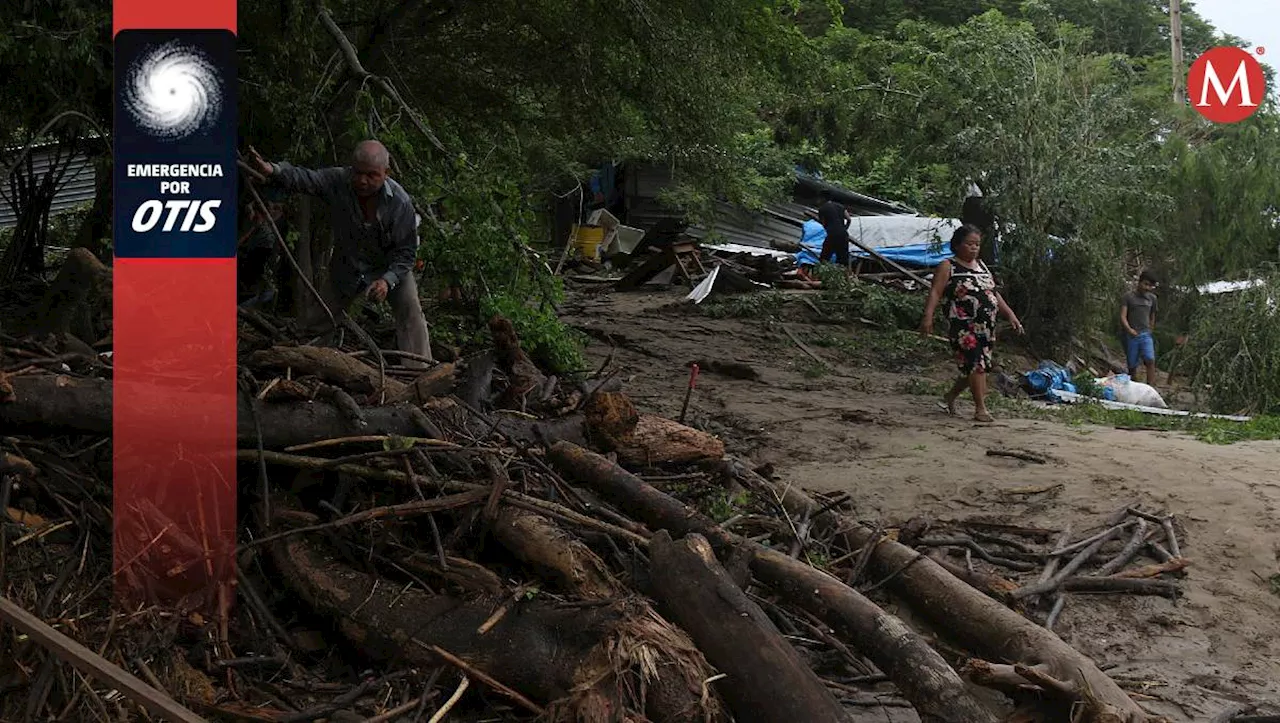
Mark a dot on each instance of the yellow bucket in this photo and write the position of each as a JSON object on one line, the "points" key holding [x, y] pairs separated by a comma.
{"points": [[587, 240]]}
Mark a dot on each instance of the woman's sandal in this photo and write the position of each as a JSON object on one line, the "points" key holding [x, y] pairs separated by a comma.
{"points": [[983, 417], [948, 406]]}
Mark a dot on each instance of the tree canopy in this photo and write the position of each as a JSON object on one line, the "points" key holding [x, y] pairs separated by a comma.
{"points": [[1060, 111]]}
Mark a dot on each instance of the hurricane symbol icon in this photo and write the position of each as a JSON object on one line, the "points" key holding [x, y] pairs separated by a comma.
{"points": [[173, 92]]}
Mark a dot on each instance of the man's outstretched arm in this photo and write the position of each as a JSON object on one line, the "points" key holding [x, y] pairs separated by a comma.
{"points": [[320, 182]]}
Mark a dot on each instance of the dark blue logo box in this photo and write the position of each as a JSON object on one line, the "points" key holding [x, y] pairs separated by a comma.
{"points": [[175, 127]]}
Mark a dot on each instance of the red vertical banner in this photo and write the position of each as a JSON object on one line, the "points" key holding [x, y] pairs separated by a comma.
{"points": [[174, 328]]}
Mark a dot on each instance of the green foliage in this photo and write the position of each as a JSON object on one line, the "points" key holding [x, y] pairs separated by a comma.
{"points": [[721, 506], [752, 171], [1233, 350], [523, 108], [1053, 145], [1059, 110], [1224, 219], [892, 350], [812, 369], [56, 57], [1086, 384], [762, 305], [552, 345], [856, 300], [1207, 430]]}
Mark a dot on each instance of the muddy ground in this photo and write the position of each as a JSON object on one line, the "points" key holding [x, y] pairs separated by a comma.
{"points": [[857, 427]]}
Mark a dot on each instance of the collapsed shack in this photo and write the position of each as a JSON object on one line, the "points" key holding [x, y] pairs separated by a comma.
{"points": [[484, 539], [889, 243], [691, 263]]}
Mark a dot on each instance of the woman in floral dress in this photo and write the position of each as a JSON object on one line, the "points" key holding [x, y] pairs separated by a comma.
{"points": [[972, 305]]}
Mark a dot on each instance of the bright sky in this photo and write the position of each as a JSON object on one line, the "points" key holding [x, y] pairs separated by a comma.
{"points": [[1257, 21]]}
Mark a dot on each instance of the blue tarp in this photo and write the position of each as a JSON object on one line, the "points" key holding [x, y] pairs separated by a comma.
{"points": [[811, 243], [923, 256], [915, 255], [1048, 378]]}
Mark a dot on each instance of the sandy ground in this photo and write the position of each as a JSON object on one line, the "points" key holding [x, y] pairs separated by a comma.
{"points": [[856, 429]]}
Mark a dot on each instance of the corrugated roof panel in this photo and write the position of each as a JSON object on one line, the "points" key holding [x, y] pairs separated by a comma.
{"points": [[779, 222], [78, 185]]}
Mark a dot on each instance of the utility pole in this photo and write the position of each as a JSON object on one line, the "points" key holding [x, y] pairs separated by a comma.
{"points": [[1175, 39]]}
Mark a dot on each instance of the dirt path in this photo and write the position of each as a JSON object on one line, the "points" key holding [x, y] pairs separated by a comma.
{"points": [[854, 429]]}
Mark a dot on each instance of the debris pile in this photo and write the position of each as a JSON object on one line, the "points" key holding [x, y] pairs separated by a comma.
{"points": [[1031, 568], [486, 541], [679, 256]]}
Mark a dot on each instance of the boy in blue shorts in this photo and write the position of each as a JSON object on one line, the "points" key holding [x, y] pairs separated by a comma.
{"points": [[1138, 319]]}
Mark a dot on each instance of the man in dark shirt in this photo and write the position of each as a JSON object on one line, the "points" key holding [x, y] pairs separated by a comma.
{"points": [[375, 236], [834, 218], [1138, 319]]}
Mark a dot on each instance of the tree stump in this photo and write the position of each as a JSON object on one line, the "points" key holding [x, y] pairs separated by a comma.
{"points": [[657, 440]]}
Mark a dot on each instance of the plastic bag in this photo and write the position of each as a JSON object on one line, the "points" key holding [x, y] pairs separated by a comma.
{"points": [[1125, 390]]}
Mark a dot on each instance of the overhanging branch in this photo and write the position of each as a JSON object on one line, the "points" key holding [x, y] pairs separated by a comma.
{"points": [[357, 68]]}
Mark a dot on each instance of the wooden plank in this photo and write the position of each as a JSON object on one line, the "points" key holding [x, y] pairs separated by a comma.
{"points": [[803, 347], [1075, 398], [889, 262], [93, 665]]}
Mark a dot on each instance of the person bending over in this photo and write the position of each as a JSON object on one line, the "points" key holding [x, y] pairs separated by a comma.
{"points": [[375, 236]]}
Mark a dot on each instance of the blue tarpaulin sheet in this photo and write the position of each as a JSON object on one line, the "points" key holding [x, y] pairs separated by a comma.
{"points": [[811, 243], [916, 255]]}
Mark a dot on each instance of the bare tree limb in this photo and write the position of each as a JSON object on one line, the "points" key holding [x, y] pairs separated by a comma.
{"points": [[358, 69]]}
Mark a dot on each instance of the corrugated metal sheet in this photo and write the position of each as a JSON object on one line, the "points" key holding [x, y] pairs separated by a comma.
{"points": [[808, 188], [778, 224], [778, 227], [78, 184]]}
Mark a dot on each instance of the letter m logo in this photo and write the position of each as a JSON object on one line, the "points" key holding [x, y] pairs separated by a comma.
{"points": [[1226, 85]]}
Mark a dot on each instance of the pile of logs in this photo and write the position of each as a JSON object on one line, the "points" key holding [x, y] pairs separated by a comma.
{"points": [[482, 539]]}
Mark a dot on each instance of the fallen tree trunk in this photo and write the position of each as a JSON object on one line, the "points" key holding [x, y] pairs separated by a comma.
{"points": [[766, 682], [66, 405], [289, 424], [540, 432], [59, 404], [69, 405], [976, 620], [675, 692], [536, 651], [538, 541], [330, 365], [523, 376], [989, 584], [611, 419], [45, 403], [477, 379], [435, 382], [933, 687], [569, 658]]}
